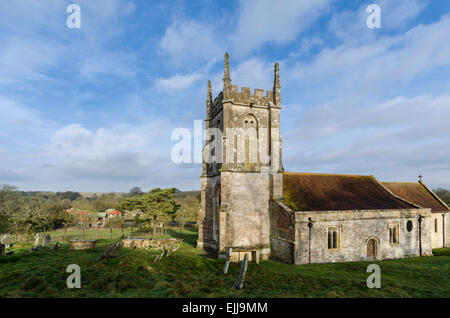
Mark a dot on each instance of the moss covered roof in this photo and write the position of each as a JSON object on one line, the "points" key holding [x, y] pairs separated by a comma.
{"points": [[416, 193], [332, 192]]}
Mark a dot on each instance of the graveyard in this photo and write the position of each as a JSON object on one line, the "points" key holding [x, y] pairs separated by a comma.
{"points": [[124, 271]]}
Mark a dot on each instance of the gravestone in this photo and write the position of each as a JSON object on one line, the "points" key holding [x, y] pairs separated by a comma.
{"points": [[6, 240], [55, 246], [112, 250], [46, 241], [2, 249], [170, 250], [36, 240], [159, 256], [227, 261], [35, 249], [9, 253], [242, 273]]}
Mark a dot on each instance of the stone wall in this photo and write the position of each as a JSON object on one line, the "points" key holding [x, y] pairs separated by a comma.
{"points": [[436, 233], [208, 215], [282, 233], [355, 229], [447, 229], [244, 213]]}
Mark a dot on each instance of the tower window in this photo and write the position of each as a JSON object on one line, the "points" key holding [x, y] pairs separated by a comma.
{"points": [[250, 122]]}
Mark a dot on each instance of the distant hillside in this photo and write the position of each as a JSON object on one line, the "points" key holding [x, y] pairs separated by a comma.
{"points": [[98, 194]]}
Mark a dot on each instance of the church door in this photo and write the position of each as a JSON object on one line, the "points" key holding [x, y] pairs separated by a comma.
{"points": [[372, 248]]}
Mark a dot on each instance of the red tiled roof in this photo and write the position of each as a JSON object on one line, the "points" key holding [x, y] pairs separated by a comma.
{"points": [[114, 212], [332, 192], [416, 193]]}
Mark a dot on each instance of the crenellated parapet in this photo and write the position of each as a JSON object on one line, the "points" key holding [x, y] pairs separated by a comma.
{"points": [[245, 96]]}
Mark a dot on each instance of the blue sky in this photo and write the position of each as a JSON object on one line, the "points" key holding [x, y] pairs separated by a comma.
{"points": [[93, 109]]}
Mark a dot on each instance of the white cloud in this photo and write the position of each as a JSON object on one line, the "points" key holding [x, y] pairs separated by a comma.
{"points": [[279, 22], [395, 140], [177, 82], [26, 59], [375, 67], [187, 43], [113, 64], [396, 14]]}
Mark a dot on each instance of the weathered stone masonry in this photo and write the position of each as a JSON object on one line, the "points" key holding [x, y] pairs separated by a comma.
{"points": [[250, 205], [236, 193]]}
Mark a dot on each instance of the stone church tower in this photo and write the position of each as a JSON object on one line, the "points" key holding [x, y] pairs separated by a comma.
{"points": [[242, 168]]}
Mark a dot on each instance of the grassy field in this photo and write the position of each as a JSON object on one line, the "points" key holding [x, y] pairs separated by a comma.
{"points": [[190, 273]]}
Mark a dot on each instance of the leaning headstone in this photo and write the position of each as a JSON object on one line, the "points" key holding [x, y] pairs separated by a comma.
{"points": [[241, 279], [55, 246], [2, 249], [227, 261], [36, 240], [46, 241], [159, 257], [170, 250]]}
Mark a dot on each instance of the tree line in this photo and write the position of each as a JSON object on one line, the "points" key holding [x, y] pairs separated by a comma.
{"points": [[26, 213]]}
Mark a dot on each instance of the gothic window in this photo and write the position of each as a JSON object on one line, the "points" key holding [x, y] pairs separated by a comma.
{"points": [[250, 122], [250, 125], [394, 234], [333, 238]]}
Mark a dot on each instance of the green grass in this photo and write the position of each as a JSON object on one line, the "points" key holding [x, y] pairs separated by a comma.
{"points": [[190, 273]]}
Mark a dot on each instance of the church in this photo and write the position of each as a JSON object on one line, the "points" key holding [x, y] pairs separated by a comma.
{"points": [[250, 205]]}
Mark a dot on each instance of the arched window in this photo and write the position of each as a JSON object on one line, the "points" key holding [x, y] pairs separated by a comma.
{"points": [[330, 240], [250, 122], [250, 125], [333, 238], [394, 233]]}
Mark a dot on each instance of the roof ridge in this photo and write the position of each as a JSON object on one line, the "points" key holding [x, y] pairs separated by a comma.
{"points": [[434, 194], [396, 196], [327, 174], [399, 182]]}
